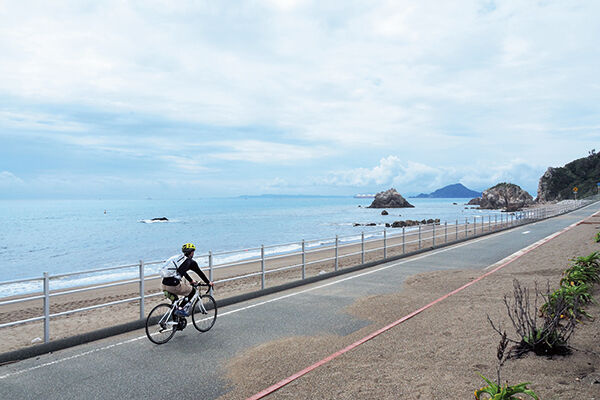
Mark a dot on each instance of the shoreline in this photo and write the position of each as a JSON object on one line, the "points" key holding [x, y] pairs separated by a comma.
{"points": [[394, 235], [339, 214]]}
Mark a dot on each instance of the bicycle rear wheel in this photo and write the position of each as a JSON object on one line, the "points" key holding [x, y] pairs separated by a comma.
{"points": [[204, 313], [160, 326]]}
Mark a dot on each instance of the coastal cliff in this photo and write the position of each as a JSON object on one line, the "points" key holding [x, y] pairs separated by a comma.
{"points": [[558, 183]]}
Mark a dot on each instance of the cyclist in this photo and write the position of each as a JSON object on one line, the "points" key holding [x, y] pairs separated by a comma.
{"points": [[175, 269]]}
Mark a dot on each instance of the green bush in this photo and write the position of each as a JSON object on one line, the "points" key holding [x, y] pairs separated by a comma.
{"points": [[544, 334], [568, 301], [591, 262], [495, 391], [505, 392], [579, 274]]}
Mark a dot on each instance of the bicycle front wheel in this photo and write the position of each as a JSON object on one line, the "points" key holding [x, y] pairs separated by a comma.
{"points": [[204, 313], [160, 326]]}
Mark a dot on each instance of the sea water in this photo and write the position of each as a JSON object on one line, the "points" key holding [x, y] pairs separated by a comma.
{"points": [[63, 236]]}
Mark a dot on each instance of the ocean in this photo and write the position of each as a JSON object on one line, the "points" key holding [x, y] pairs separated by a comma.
{"points": [[63, 236]]}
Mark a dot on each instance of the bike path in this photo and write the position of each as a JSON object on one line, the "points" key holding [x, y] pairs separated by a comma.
{"points": [[192, 365]]}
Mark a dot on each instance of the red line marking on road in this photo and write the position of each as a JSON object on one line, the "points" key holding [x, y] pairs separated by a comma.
{"points": [[378, 332]]}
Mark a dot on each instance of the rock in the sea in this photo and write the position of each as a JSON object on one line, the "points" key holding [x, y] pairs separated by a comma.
{"points": [[474, 202], [384, 212], [389, 199], [507, 196], [408, 222], [160, 219]]}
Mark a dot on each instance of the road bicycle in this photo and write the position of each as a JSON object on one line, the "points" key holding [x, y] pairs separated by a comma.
{"points": [[162, 323]]}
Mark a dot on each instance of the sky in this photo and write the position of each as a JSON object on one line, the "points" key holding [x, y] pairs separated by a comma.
{"points": [[192, 99]]}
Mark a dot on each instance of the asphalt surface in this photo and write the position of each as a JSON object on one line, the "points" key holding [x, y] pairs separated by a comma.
{"points": [[191, 365]]}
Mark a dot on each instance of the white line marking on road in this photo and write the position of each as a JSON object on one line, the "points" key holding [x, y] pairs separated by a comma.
{"points": [[70, 358], [452, 247]]}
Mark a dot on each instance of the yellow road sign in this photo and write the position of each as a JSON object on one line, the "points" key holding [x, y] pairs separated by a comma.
{"points": [[575, 189]]}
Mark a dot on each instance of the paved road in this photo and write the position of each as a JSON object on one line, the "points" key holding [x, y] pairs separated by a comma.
{"points": [[130, 367]]}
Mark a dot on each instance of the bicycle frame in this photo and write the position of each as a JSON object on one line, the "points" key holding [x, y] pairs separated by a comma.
{"points": [[194, 298], [169, 323]]}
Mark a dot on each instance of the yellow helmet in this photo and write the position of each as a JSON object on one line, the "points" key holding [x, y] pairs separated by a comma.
{"points": [[188, 248]]}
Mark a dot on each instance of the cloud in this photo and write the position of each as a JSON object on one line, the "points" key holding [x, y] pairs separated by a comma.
{"points": [[358, 65], [289, 89], [390, 171], [187, 164], [7, 179], [413, 177], [264, 152], [38, 122]]}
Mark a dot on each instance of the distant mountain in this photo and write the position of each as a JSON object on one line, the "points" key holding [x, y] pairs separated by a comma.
{"points": [[457, 190], [288, 196], [558, 183]]}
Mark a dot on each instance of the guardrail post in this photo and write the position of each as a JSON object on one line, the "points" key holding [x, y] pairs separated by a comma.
{"points": [[46, 308], [433, 236], [303, 260], [419, 236], [384, 244], [456, 229], [445, 231], [466, 227], [362, 247], [489, 223], [474, 226], [262, 266], [337, 244], [403, 240], [210, 269], [142, 290]]}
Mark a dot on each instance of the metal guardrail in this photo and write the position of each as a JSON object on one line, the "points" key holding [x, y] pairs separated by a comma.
{"points": [[394, 240]]}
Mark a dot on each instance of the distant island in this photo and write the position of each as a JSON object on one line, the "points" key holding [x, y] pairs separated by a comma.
{"points": [[288, 196], [456, 190]]}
